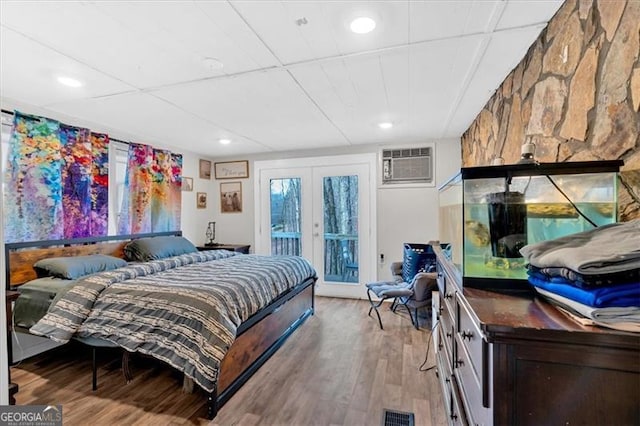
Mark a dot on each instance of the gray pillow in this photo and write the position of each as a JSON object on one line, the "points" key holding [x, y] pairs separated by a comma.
{"points": [[76, 267], [145, 249]]}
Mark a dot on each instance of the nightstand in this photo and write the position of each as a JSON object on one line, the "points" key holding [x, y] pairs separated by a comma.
{"points": [[10, 298], [240, 248]]}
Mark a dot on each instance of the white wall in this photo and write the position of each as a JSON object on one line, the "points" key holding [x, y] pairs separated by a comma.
{"points": [[410, 215], [235, 228], [404, 214], [194, 220]]}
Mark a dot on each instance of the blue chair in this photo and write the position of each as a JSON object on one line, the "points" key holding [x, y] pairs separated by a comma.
{"points": [[350, 264]]}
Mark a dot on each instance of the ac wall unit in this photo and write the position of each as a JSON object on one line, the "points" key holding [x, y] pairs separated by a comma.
{"points": [[407, 165]]}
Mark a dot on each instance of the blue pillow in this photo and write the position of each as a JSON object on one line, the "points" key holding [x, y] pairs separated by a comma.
{"points": [[75, 267], [145, 249]]}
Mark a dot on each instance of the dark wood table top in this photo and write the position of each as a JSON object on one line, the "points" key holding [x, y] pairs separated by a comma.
{"points": [[528, 316]]}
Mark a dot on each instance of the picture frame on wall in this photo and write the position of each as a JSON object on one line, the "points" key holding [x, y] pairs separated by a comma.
{"points": [[231, 197], [201, 200], [205, 169], [232, 169], [187, 184]]}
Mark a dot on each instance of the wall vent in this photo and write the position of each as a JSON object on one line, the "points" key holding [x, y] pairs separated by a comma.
{"points": [[407, 165]]}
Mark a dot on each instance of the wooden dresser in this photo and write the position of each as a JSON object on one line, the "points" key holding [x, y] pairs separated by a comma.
{"points": [[516, 360]]}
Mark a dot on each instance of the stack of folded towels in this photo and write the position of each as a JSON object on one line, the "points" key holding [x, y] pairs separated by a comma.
{"points": [[593, 274]]}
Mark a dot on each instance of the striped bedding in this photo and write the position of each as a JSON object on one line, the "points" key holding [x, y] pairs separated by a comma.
{"points": [[183, 310]]}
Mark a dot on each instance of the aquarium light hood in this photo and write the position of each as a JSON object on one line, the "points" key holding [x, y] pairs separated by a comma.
{"points": [[541, 169]]}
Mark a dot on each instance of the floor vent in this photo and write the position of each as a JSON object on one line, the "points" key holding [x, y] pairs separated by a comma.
{"points": [[397, 418]]}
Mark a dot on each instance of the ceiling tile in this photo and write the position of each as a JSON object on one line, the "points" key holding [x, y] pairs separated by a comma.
{"points": [[327, 32], [504, 52], [414, 88], [146, 44], [442, 19], [267, 107], [155, 121], [28, 72], [519, 13]]}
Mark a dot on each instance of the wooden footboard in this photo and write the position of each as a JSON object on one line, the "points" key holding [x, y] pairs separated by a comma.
{"points": [[256, 343]]}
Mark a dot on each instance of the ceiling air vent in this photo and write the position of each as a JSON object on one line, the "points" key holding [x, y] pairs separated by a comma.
{"points": [[407, 165]]}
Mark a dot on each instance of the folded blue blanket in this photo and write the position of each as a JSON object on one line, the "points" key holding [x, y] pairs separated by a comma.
{"points": [[586, 281], [602, 297]]}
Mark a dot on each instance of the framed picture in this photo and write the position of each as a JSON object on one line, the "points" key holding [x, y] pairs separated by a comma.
{"points": [[205, 169], [187, 184], [201, 200], [232, 169], [231, 197]]}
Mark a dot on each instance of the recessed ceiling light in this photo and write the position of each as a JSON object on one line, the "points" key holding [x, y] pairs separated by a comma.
{"points": [[225, 141], [69, 81], [385, 125], [363, 25]]}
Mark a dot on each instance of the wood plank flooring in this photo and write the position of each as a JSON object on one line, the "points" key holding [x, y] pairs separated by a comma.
{"points": [[338, 368]]}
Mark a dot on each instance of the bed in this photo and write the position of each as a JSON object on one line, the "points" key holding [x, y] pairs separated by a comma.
{"points": [[259, 301]]}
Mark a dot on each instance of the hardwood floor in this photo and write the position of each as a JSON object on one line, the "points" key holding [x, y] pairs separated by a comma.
{"points": [[338, 368]]}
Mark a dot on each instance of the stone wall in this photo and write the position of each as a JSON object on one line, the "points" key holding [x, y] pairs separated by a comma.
{"points": [[576, 95]]}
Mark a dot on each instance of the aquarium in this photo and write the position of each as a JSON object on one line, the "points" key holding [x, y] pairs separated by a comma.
{"points": [[488, 214]]}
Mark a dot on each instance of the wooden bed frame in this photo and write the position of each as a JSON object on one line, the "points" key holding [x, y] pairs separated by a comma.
{"points": [[257, 338]]}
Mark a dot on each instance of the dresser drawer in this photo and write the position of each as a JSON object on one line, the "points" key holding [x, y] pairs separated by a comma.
{"points": [[445, 344], [449, 302], [442, 278], [447, 330], [477, 349], [470, 387], [472, 340], [456, 415], [444, 373]]}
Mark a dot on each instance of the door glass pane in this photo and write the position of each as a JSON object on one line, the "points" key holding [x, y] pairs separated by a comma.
{"points": [[340, 195], [285, 216]]}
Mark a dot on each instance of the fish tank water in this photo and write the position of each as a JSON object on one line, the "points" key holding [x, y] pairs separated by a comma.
{"points": [[488, 214]]}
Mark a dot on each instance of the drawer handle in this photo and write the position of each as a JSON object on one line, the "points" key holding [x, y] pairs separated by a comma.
{"points": [[447, 380], [448, 334], [439, 346], [459, 363], [454, 416], [448, 295], [467, 334], [440, 275]]}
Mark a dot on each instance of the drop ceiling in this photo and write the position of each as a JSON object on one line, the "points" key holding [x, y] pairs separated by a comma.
{"points": [[276, 84]]}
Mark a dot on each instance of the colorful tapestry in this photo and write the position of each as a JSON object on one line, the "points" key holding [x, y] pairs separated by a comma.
{"points": [[135, 212], [76, 181], [33, 196], [100, 184], [166, 199], [175, 193]]}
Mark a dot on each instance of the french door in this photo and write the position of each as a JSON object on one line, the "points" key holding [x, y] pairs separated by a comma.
{"points": [[323, 213]]}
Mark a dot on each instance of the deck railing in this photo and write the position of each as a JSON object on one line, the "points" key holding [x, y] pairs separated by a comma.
{"points": [[335, 257]]}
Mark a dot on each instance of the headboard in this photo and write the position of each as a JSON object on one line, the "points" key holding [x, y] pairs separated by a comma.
{"points": [[20, 257]]}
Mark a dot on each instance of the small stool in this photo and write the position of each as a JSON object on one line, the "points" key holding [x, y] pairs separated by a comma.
{"points": [[387, 290]]}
